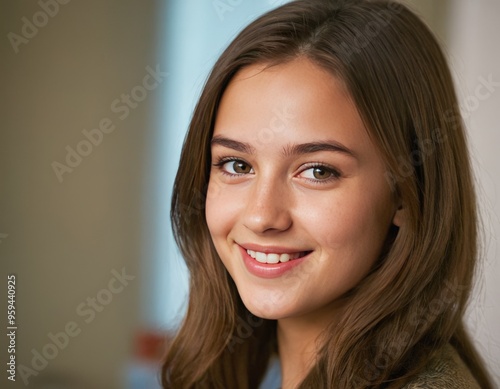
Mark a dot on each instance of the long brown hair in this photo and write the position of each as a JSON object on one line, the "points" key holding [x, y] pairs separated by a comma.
{"points": [[413, 301]]}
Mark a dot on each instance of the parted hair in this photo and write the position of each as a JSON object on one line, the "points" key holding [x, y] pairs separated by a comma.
{"points": [[412, 302]]}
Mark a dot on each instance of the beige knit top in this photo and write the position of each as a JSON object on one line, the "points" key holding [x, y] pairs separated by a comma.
{"points": [[445, 371]]}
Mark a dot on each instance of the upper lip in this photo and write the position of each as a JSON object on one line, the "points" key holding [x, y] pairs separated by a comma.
{"points": [[271, 249]]}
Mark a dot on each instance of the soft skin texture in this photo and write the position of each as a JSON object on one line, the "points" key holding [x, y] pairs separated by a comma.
{"points": [[275, 198]]}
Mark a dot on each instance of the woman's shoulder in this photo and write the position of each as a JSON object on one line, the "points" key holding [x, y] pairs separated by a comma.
{"points": [[445, 370]]}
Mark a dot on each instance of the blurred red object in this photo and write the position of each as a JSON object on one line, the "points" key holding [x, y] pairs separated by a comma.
{"points": [[150, 345]]}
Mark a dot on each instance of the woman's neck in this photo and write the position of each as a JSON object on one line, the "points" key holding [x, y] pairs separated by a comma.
{"points": [[299, 340], [297, 350]]}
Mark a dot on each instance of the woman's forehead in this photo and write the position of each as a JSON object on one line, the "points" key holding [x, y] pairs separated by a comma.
{"points": [[294, 102]]}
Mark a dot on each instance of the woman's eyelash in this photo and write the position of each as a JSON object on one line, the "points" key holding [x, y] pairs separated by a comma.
{"points": [[220, 162], [223, 160], [334, 173]]}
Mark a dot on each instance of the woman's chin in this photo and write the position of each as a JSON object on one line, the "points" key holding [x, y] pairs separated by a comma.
{"points": [[269, 309]]}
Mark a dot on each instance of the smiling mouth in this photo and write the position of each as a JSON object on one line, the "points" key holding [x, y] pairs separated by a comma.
{"points": [[274, 257]]}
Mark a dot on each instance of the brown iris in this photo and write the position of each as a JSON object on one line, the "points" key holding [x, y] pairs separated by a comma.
{"points": [[321, 173], [241, 167]]}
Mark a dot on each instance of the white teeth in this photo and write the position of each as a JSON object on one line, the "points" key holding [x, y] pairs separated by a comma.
{"points": [[284, 257], [272, 258], [261, 257]]}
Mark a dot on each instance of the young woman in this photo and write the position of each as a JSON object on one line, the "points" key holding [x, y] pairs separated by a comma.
{"points": [[325, 208]]}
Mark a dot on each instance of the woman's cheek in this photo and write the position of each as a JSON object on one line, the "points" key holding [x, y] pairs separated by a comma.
{"points": [[212, 204], [214, 189], [222, 207], [324, 214]]}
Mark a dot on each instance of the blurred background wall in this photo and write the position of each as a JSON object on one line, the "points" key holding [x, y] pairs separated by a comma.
{"points": [[87, 235], [67, 232]]}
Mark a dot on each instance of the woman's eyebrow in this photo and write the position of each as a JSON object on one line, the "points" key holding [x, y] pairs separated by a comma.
{"points": [[232, 144], [314, 147], [289, 150]]}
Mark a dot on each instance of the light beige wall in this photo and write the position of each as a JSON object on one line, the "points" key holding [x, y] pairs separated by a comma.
{"points": [[64, 239], [475, 59], [435, 13]]}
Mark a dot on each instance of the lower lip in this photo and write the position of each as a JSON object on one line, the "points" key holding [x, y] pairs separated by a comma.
{"points": [[269, 270]]}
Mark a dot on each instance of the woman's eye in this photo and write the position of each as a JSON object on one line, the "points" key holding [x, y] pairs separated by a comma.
{"points": [[319, 173], [237, 167]]}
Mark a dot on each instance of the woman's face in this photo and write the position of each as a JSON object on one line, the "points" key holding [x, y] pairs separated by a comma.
{"points": [[297, 205]]}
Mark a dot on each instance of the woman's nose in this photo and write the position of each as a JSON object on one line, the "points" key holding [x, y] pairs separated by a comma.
{"points": [[268, 207]]}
